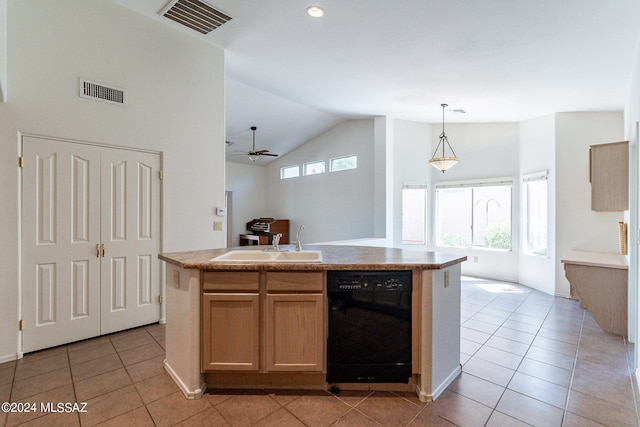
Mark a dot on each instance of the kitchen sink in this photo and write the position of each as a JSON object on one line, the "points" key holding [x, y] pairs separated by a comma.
{"points": [[241, 255]]}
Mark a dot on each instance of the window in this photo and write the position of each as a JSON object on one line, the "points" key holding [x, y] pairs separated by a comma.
{"points": [[474, 215], [535, 210], [414, 215], [289, 172], [343, 163], [313, 168]]}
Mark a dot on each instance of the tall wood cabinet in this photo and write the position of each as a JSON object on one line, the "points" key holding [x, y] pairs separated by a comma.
{"points": [[263, 321], [609, 176]]}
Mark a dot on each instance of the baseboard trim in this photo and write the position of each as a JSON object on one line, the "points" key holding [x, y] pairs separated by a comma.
{"points": [[428, 398], [189, 394]]}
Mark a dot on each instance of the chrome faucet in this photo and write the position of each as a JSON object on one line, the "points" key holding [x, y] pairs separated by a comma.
{"points": [[276, 241], [297, 242]]}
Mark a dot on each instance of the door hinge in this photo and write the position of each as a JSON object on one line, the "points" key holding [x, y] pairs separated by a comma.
{"points": [[161, 174], [20, 325], [160, 299], [20, 161]]}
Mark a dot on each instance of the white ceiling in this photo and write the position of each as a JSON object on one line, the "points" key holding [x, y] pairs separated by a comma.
{"points": [[295, 77]]}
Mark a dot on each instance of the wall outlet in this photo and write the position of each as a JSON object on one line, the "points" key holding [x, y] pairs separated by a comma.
{"points": [[446, 278], [217, 225], [475, 259]]}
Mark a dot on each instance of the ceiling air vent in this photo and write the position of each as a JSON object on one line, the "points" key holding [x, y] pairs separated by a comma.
{"points": [[195, 15], [100, 92]]}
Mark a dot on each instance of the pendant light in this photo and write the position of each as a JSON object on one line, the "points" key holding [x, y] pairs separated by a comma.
{"points": [[443, 163]]}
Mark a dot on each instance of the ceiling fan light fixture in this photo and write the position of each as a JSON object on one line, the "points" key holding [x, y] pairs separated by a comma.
{"points": [[443, 162], [315, 11], [253, 157]]}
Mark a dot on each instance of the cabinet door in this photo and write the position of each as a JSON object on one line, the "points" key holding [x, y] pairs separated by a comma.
{"points": [[609, 176], [230, 332], [295, 332]]}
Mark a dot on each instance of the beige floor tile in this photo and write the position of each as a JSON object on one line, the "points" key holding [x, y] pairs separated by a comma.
{"points": [[573, 420], [246, 407], [6, 373], [62, 419], [488, 371], [498, 419], [605, 382], [100, 350], [477, 389], [389, 409], [132, 341], [354, 418], [61, 394], [154, 388], [520, 326], [208, 418], [499, 357], [319, 410], [529, 410], [551, 358], [111, 405], [536, 388], [147, 368], [601, 411], [91, 368], [38, 384], [26, 368], [460, 410], [427, 418], [175, 408], [281, 417], [43, 354], [101, 384], [138, 354], [550, 373], [137, 418]]}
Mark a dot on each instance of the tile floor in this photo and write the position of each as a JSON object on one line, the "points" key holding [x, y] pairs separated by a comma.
{"points": [[528, 359]]}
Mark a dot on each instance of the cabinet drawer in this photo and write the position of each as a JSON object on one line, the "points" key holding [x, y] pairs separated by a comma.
{"points": [[298, 281], [231, 281]]}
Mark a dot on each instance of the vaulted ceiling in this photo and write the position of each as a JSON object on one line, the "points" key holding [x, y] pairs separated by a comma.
{"points": [[294, 76]]}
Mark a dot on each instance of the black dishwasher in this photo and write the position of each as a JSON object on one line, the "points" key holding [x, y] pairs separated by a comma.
{"points": [[369, 336]]}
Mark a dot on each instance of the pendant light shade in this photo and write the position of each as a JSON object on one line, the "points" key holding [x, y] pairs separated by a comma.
{"points": [[443, 162]]}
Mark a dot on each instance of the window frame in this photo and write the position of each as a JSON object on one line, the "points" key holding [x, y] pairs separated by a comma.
{"points": [[304, 167], [331, 160], [473, 184], [526, 179], [291, 167]]}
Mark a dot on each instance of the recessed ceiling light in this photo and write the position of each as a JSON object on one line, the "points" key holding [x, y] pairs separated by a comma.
{"points": [[315, 11]]}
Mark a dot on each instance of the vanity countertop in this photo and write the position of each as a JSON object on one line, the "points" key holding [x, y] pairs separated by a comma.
{"points": [[596, 259]]}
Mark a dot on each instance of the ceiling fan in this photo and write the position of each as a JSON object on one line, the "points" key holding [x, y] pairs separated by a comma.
{"points": [[254, 154]]}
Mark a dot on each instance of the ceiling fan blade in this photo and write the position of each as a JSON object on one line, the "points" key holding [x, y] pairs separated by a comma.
{"points": [[262, 151], [267, 154]]}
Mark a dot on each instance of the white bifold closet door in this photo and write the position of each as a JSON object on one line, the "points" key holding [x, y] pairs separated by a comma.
{"points": [[90, 241]]}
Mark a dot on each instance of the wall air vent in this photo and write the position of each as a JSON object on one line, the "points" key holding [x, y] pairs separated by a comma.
{"points": [[195, 15], [100, 92]]}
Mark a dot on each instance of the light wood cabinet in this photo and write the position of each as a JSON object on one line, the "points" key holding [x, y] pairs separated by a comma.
{"points": [[609, 176], [230, 321], [263, 321], [231, 331], [295, 332]]}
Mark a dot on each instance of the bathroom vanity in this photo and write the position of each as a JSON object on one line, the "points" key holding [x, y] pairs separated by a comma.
{"points": [[254, 318]]}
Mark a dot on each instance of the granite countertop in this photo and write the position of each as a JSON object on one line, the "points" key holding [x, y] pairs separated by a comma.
{"points": [[596, 259], [333, 258]]}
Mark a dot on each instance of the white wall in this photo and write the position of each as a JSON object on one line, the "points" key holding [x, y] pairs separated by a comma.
{"points": [[486, 150], [249, 196], [333, 205], [3, 50], [631, 124], [538, 153], [577, 226], [175, 87]]}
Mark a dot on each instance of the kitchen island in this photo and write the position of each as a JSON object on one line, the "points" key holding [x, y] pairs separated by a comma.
{"points": [[261, 322]]}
